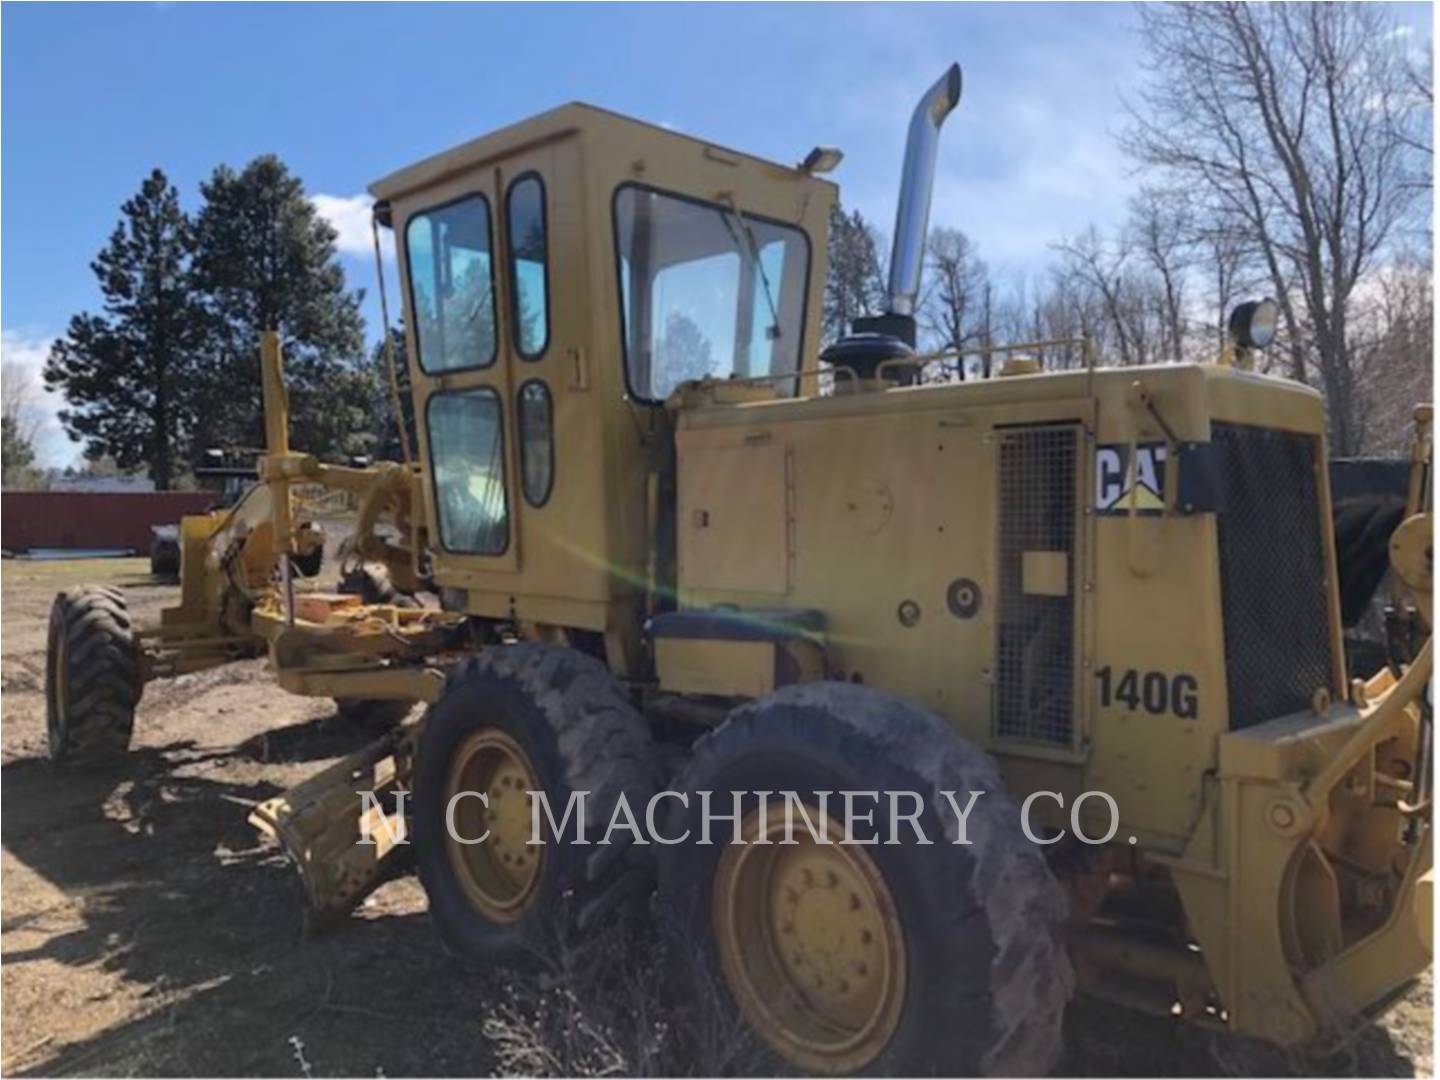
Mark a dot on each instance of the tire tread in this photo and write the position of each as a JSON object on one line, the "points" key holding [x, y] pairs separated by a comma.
{"points": [[102, 671], [1008, 884]]}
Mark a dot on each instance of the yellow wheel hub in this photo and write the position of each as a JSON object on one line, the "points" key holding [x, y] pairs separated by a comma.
{"points": [[498, 875], [810, 943]]}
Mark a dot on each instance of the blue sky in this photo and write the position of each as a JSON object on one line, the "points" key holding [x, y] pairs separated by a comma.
{"points": [[93, 96]]}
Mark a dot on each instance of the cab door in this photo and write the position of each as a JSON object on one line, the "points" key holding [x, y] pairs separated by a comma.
{"points": [[460, 372], [530, 344], [559, 448], [497, 267]]}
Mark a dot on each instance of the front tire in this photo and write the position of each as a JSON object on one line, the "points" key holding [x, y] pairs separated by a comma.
{"points": [[895, 958], [92, 677], [515, 719]]}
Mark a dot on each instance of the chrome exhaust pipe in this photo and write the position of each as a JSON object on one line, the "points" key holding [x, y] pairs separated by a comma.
{"points": [[912, 212]]}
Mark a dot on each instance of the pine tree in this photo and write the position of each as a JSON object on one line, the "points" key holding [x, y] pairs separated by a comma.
{"points": [[266, 260], [683, 354], [128, 374], [854, 284], [386, 432]]}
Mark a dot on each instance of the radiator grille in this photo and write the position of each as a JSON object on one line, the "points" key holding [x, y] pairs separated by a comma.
{"points": [[1273, 585], [1035, 635]]}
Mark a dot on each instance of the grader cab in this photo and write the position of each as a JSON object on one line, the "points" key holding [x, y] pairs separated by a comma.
{"points": [[650, 523]]}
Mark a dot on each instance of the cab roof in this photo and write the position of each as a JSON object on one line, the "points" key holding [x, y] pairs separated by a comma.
{"points": [[561, 122]]}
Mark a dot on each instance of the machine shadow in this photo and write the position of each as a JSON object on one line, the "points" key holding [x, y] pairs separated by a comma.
{"points": [[179, 896], [1102, 1039], [317, 739]]}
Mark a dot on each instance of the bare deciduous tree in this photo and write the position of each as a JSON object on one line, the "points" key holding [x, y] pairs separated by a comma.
{"points": [[19, 400], [1160, 233], [20, 419], [957, 290], [1393, 324], [1296, 125], [1101, 267]]}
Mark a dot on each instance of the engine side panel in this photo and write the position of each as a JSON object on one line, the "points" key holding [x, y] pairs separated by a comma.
{"points": [[998, 552]]}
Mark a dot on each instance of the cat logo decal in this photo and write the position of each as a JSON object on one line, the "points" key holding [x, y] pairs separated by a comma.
{"points": [[1119, 482]]}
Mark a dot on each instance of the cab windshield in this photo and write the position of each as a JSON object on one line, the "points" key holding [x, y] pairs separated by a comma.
{"points": [[706, 290]]}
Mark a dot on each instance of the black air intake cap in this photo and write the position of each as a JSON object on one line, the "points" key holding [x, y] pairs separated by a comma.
{"points": [[864, 352]]}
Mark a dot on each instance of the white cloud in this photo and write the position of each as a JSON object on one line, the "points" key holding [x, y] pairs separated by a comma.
{"points": [[22, 356], [350, 215]]}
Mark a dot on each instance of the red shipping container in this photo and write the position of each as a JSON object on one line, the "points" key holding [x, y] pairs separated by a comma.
{"points": [[103, 520]]}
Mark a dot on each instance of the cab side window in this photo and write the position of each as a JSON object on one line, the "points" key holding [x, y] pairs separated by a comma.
{"points": [[468, 465], [452, 289], [537, 442], [529, 272]]}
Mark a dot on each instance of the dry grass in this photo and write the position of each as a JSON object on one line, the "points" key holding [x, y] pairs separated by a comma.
{"points": [[633, 1002]]}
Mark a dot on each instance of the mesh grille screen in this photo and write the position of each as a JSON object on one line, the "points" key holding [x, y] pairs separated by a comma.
{"points": [[1273, 589], [1035, 635]]}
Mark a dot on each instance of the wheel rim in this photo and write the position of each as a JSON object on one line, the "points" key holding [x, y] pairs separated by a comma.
{"points": [[810, 944], [498, 876]]}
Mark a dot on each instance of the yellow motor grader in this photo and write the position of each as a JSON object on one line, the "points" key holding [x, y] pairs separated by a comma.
{"points": [[680, 561]]}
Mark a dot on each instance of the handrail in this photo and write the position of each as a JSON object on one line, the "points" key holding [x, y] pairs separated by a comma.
{"points": [[1085, 343], [750, 380]]}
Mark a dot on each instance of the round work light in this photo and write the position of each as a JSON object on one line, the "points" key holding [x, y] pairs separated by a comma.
{"points": [[1252, 324]]}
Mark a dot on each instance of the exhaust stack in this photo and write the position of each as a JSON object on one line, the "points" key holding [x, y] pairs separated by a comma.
{"points": [[875, 340], [917, 180]]}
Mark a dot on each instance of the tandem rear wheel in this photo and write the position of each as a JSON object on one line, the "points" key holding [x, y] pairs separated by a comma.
{"points": [[903, 958], [898, 958]]}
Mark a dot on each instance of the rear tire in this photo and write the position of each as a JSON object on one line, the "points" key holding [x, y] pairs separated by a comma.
{"points": [[513, 719], [92, 677], [941, 959]]}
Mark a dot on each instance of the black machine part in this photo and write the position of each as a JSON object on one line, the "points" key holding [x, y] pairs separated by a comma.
{"points": [[863, 351]]}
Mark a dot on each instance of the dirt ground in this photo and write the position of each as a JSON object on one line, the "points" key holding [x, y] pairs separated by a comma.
{"points": [[147, 931]]}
